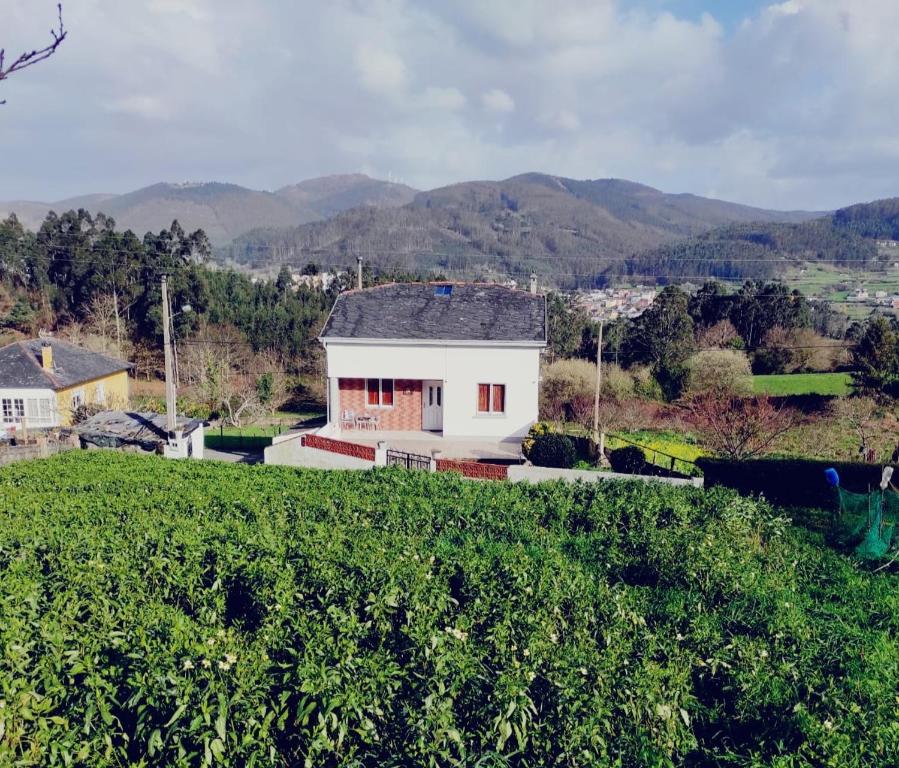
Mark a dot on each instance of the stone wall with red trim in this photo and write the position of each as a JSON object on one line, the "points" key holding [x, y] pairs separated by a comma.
{"points": [[474, 469], [403, 416], [365, 452]]}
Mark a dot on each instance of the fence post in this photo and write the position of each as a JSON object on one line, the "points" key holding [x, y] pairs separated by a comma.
{"points": [[436, 454], [381, 454]]}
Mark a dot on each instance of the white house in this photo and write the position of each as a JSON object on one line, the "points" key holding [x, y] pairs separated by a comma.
{"points": [[457, 359]]}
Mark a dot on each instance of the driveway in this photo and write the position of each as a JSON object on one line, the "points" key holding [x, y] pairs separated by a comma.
{"points": [[236, 457]]}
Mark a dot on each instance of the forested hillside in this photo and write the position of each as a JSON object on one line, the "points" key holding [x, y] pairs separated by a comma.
{"points": [[530, 222], [223, 211], [757, 250], [80, 275]]}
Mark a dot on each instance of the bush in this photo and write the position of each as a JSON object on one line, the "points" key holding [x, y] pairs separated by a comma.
{"points": [[645, 384], [84, 411], [629, 460], [195, 613], [789, 482], [554, 450], [721, 371], [563, 382], [537, 430]]}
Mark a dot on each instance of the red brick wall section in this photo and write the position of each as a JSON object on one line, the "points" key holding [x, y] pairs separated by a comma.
{"points": [[405, 415], [365, 452], [474, 469]]}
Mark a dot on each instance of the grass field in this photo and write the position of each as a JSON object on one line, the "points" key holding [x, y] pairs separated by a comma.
{"points": [[803, 384], [196, 613]]}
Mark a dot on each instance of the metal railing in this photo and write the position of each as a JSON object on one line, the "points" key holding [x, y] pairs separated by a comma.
{"points": [[408, 460]]}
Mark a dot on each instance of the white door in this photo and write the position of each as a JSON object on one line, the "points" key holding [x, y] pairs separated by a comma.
{"points": [[432, 405]]}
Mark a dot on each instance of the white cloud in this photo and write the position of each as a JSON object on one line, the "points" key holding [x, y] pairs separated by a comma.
{"points": [[792, 108], [144, 106], [497, 100], [381, 71], [442, 98]]}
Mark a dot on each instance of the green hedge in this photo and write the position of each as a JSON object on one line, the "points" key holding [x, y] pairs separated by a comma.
{"points": [[198, 613], [789, 482], [237, 442]]}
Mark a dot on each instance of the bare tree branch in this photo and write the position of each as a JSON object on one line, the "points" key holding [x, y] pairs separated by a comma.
{"points": [[33, 57]]}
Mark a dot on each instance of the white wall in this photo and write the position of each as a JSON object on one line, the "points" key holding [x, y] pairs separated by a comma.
{"points": [[461, 368], [26, 395]]}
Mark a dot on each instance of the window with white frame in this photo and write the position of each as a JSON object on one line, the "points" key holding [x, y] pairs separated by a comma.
{"points": [[39, 410], [100, 393], [379, 393], [77, 399], [13, 409], [491, 398]]}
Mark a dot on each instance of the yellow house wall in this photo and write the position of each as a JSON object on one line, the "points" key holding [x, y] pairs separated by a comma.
{"points": [[115, 389]]}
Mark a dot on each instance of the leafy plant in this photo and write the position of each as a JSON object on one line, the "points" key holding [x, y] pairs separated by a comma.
{"points": [[553, 450], [630, 460]]}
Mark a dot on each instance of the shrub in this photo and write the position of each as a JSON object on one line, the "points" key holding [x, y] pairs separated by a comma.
{"points": [[84, 411], [789, 482], [199, 613], [553, 450], [563, 382], [645, 384], [629, 460], [537, 430], [719, 371]]}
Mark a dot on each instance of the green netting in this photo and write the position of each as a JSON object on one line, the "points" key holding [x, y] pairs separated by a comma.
{"points": [[865, 522]]}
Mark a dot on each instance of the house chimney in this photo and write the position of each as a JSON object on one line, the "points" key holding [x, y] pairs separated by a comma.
{"points": [[533, 282], [359, 272], [46, 356]]}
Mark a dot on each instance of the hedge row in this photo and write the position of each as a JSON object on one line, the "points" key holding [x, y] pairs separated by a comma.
{"points": [[789, 482]]}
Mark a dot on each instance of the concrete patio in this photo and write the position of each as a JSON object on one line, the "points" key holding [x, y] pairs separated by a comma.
{"points": [[424, 442]]}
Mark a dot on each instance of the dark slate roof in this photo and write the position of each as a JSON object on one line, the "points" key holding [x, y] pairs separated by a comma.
{"points": [[20, 365], [472, 312], [113, 429]]}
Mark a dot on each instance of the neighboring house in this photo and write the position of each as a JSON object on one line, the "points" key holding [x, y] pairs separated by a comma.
{"points": [[43, 381], [458, 359]]}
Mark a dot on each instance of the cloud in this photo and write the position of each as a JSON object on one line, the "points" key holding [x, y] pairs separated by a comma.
{"points": [[381, 71], [497, 100], [144, 106], [791, 107], [442, 98]]}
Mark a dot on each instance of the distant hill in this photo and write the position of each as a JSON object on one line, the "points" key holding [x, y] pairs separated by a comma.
{"points": [[550, 224], [329, 195], [848, 238], [224, 211]]}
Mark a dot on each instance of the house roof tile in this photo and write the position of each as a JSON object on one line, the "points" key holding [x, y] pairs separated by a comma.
{"points": [[20, 365], [417, 311]]}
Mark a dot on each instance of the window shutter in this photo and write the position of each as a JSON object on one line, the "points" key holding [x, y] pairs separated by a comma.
{"points": [[373, 391], [386, 391], [483, 398], [499, 398]]}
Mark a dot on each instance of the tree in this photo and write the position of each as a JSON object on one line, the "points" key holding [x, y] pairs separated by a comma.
{"points": [[663, 337], [719, 372], [30, 58], [875, 359], [739, 428], [859, 415]]}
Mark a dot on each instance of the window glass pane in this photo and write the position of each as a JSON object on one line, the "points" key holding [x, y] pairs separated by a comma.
{"points": [[19, 408], [430, 395], [31, 409], [387, 392], [499, 398], [44, 406], [439, 395], [7, 409], [373, 392], [483, 397]]}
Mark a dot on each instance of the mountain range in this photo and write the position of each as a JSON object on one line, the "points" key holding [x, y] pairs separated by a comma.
{"points": [[577, 231], [223, 211]]}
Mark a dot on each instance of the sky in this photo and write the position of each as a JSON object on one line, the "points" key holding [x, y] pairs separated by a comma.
{"points": [[783, 105]]}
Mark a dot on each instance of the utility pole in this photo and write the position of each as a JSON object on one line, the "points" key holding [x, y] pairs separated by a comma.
{"points": [[170, 403], [359, 272], [598, 438]]}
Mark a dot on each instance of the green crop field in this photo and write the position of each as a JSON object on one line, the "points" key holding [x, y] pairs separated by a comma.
{"points": [[161, 613], [803, 384]]}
